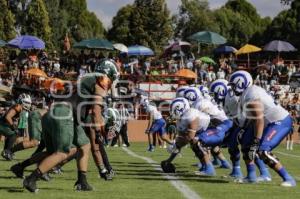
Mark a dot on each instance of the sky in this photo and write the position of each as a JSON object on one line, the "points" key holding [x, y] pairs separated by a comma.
{"points": [[107, 9]]}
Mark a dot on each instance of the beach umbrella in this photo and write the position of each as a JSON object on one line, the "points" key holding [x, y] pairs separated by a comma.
{"points": [[121, 47], [247, 49], [138, 50], [186, 73], [2, 43], [26, 42], [208, 37], [96, 44], [207, 60], [37, 72], [225, 49], [176, 46], [279, 46]]}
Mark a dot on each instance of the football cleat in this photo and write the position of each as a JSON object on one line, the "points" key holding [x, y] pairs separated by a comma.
{"points": [[288, 183], [168, 167], [30, 185], [264, 179], [7, 155], [83, 186], [17, 170], [246, 180], [46, 177]]}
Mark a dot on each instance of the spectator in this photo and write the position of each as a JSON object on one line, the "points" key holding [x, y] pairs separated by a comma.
{"points": [[221, 74], [291, 69]]}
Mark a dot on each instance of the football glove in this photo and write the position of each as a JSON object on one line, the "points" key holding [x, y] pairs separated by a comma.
{"points": [[253, 149]]}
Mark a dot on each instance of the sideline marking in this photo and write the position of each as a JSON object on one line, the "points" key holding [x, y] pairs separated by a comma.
{"points": [[287, 154], [174, 180]]}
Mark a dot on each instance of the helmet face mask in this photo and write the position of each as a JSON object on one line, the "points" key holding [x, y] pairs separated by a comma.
{"points": [[240, 81], [193, 95], [220, 89], [109, 68], [178, 107]]}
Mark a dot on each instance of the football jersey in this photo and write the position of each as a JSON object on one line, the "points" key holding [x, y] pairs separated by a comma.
{"points": [[272, 112], [231, 108], [191, 115], [154, 112], [206, 106]]}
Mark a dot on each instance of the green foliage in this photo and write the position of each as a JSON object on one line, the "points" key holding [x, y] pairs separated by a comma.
{"points": [[7, 21], [37, 22], [194, 16], [137, 24], [72, 16], [285, 26]]}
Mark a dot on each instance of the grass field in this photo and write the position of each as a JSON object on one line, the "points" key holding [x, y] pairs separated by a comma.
{"points": [[138, 179]]}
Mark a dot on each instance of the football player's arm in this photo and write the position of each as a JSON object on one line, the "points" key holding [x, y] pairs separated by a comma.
{"points": [[192, 130], [11, 113], [149, 122], [255, 109]]}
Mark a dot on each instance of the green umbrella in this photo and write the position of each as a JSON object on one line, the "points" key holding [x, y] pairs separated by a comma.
{"points": [[207, 60], [97, 44], [2, 43], [208, 37]]}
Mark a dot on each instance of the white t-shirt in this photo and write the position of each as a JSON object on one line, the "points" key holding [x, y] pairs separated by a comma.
{"points": [[154, 112], [206, 106], [272, 111], [191, 115]]}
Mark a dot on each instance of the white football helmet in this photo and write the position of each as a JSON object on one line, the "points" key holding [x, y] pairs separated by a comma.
{"points": [[178, 107], [25, 101], [180, 91], [240, 81], [205, 92], [220, 89], [193, 95], [144, 102]]}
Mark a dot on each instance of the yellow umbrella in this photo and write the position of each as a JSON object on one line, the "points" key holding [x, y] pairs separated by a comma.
{"points": [[186, 73], [36, 72], [247, 49]]}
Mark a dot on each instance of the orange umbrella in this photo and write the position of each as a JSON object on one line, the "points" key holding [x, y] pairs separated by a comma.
{"points": [[36, 72], [55, 83], [186, 73]]}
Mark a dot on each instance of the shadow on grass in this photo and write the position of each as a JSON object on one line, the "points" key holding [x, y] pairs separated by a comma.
{"points": [[12, 189], [205, 180]]}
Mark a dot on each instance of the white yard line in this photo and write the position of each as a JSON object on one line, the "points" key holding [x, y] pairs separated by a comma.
{"points": [[287, 154], [174, 180]]}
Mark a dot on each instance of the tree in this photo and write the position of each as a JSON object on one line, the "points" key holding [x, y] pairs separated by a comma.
{"points": [[137, 24], [7, 21], [72, 16], [240, 23], [37, 22], [120, 31], [194, 16]]}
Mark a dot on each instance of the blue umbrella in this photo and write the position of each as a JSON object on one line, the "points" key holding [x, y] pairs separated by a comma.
{"points": [[279, 46], [26, 42], [139, 51], [225, 49], [2, 43]]}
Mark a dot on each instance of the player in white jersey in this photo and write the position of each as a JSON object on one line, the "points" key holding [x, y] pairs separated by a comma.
{"points": [[205, 92], [189, 123], [180, 91], [156, 124], [271, 124], [220, 123], [225, 97]]}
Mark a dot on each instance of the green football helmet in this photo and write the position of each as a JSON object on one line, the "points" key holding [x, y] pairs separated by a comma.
{"points": [[109, 68]]}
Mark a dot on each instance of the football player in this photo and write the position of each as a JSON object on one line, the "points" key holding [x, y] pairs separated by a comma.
{"points": [[189, 122], [225, 97], [156, 124], [219, 120], [270, 125], [8, 126]]}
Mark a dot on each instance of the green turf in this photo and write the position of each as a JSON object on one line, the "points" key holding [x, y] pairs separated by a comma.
{"points": [[137, 179]]}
